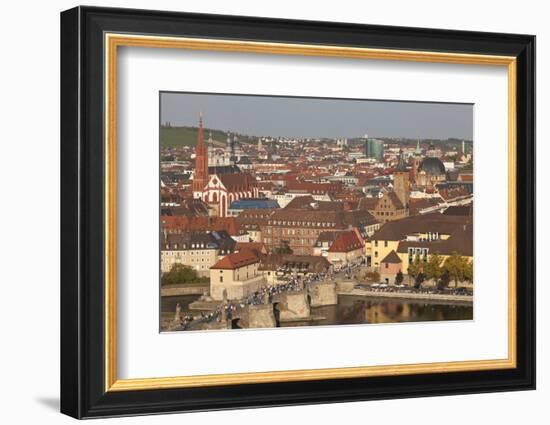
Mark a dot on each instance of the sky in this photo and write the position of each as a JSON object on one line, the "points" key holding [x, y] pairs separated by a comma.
{"points": [[317, 117]]}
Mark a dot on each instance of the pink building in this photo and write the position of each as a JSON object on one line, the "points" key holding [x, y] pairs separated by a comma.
{"points": [[389, 267]]}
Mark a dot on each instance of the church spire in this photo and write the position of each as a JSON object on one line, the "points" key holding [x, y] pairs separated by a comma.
{"points": [[200, 178], [401, 166], [418, 151], [200, 141]]}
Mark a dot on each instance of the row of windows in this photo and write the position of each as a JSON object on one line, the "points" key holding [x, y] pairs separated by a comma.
{"points": [[301, 223], [385, 213], [295, 241], [385, 244], [432, 236], [192, 246], [294, 232], [417, 251], [254, 215], [207, 251], [184, 253], [192, 260]]}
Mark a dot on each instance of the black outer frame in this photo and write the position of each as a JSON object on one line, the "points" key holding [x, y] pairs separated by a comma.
{"points": [[82, 206]]}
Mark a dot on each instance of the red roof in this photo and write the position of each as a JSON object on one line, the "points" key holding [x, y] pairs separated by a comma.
{"points": [[454, 193], [418, 204], [236, 260], [200, 224], [238, 182], [255, 247], [314, 187], [392, 258], [345, 242], [465, 178]]}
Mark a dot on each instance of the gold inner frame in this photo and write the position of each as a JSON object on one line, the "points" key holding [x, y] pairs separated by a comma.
{"points": [[113, 41]]}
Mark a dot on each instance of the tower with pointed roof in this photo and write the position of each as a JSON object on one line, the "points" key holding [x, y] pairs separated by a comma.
{"points": [[417, 158], [418, 151], [218, 186], [200, 177], [401, 181], [237, 150]]}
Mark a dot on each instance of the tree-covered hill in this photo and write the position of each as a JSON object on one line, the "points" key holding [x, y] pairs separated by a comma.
{"points": [[187, 136]]}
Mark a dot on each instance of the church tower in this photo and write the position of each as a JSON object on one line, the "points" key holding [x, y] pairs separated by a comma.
{"points": [[417, 158], [200, 178], [401, 181], [418, 151]]}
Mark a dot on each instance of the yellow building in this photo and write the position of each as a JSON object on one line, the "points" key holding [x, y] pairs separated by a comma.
{"points": [[459, 241], [198, 259], [422, 235], [199, 251]]}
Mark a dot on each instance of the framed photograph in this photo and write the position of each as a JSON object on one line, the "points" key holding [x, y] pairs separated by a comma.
{"points": [[261, 212]]}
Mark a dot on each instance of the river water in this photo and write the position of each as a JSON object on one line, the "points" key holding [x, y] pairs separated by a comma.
{"points": [[358, 310]]}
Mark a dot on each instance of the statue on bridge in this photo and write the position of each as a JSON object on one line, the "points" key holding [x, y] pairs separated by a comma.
{"points": [[177, 317]]}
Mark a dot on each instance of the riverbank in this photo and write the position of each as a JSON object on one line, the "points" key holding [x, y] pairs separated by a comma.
{"points": [[468, 299], [351, 309]]}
